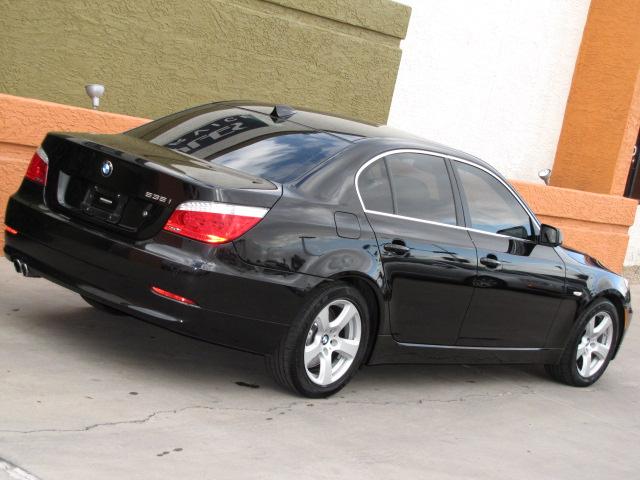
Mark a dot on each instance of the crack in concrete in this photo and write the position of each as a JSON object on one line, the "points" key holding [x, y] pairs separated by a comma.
{"points": [[289, 406], [111, 424]]}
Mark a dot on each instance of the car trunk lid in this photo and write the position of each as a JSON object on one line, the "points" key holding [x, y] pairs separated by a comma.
{"points": [[130, 186]]}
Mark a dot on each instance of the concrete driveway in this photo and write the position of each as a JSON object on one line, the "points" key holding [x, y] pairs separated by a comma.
{"points": [[88, 395]]}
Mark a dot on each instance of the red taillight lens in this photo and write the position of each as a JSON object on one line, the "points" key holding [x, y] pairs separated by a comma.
{"points": [[10, 230], [213, 222], [172, 296], [37, 169]]}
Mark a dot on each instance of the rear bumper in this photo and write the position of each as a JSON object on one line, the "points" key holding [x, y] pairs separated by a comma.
{"points": [[238, 305]]}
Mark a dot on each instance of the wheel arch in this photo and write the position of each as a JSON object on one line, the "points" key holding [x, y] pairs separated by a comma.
{"points": [[618, 302], [375, 299]]}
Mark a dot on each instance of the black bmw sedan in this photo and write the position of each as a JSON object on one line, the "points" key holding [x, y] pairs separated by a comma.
{"points": [[319, 242]]}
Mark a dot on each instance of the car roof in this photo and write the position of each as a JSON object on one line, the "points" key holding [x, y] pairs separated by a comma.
{"points": [[354, 130], [347, 131], [349, 128]]}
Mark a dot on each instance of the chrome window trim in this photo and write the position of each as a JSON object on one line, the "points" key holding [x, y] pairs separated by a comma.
{"points": [[532, 217]]}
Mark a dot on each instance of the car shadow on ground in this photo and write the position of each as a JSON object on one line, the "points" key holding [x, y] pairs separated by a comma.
{"points": [[124, 341]]}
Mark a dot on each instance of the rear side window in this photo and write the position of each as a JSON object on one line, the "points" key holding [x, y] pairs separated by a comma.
{"points": [[244, 140], [492, 207], [421, 187], [374, 187]]}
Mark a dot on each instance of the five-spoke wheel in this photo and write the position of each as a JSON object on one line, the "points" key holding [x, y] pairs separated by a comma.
{"points": [[593, 342], [326, 344], [332, 342]]}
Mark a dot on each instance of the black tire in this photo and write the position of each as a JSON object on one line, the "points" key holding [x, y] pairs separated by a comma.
{"points": [[567, 370], [286, 363], [102, 307]]}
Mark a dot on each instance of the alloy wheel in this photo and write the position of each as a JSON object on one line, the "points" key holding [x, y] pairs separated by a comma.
{"points": [[594, 344], [332, 342]]}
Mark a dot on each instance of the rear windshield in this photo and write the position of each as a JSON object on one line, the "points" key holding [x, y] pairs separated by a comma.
{"points": [[254, 143]]}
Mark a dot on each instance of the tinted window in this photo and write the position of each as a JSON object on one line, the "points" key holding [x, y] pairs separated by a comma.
{"points": [[374, 187], [421, 187], [251, 142], [281, 158], [492, 207]]}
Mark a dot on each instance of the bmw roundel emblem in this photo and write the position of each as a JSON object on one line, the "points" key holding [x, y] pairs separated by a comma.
{"points": [[106, 168]]}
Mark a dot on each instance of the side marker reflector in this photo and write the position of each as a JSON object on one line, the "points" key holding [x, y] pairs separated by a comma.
{"points": [[172, 296]]}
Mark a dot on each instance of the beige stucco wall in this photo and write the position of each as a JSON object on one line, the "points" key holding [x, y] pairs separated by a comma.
{"points": [[157, 57]]}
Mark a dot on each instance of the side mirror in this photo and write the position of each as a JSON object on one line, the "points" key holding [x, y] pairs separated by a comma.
{"points": [[549, 235]]}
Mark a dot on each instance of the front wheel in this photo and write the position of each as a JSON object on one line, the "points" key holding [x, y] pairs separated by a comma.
{"points": [[325, 344], [589, 351]]}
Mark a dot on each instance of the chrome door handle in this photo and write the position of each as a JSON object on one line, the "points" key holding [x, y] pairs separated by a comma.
{"points": [[396, 248], [492, 263]]}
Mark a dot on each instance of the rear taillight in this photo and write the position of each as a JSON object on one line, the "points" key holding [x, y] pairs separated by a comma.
{"points": [[213, 222], [37, 169]]}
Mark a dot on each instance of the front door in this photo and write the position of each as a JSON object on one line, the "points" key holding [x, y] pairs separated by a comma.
{"points": [[520, 283], [429, 261]]}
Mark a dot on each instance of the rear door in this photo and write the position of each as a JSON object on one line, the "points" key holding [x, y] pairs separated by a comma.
{"points": [[429, 261], [520, 283]]}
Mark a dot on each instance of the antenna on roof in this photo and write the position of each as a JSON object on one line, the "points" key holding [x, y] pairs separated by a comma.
{"points": [[282, 112]]}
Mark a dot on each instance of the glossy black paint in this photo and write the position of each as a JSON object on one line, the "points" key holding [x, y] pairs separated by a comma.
{"points": [[439, 260], [516, 299], [441, 293]]}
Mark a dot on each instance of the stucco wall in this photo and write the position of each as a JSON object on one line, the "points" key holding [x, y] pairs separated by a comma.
{"points": [[158, 57], [594, 223], [603, 113], [490, 78], [591, 222]]}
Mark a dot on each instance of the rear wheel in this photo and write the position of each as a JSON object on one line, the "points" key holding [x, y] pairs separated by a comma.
{"points": [[101, 306], [589, 351], [326, 343]]}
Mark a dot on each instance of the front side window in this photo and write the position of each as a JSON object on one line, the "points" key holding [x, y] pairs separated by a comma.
{"points": [[421, 187], [491, 206]]}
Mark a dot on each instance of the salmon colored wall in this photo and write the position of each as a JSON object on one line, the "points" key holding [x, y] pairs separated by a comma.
{"points": [[592, 222], [602, 117], [595, 223]]}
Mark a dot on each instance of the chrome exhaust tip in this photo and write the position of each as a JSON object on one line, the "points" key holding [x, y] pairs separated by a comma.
{"points": [[17, 264], [22, 267]]}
